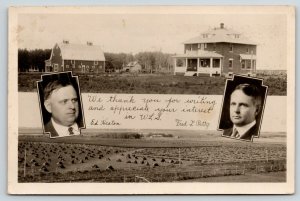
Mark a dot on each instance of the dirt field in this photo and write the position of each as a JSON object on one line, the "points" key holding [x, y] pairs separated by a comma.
{"points": [[98, 159]]}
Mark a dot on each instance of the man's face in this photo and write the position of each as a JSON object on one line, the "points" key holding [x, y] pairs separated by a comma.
{"points": [[242, 108], [63, 105]]}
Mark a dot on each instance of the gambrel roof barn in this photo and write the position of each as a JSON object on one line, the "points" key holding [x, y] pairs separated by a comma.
{"points": [[80, 58]]}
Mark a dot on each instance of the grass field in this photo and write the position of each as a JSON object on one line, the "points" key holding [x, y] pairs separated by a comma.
{"points": [[152, 84], [92, 158]]}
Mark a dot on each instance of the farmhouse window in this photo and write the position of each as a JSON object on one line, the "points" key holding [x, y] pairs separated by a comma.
{"points": [[243, 64], [204, 63], [95, 62], [215, 46], [248, 64], [55, 67], [216, 63], [230, 63], [231, 47]]}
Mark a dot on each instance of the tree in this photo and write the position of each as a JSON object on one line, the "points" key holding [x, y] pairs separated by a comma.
{"points": [[32, 59]]}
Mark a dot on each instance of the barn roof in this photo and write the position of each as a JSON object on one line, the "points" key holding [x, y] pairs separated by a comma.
{"points": [[81, 52], [220, 34]]}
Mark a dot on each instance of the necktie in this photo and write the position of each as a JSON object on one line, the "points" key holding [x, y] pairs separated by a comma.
{"points": [[235, 133], [70, 129]]}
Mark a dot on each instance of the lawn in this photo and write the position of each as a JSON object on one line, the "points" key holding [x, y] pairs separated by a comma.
{"points": [[152, 84]]}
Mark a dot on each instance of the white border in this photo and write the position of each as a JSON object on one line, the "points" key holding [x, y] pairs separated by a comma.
{"points": [[154, 188]]}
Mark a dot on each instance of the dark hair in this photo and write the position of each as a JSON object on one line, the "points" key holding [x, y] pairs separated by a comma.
{"points": [[56, 84], [251, 90]]}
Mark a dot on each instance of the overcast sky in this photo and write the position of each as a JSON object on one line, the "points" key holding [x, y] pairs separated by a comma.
{"points": [[132, 33]]}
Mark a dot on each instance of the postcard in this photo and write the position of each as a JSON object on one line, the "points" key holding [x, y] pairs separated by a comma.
{"points": [[151, 100]]}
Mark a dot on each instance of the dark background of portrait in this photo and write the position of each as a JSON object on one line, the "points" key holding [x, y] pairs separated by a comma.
{"points": [[225, 121], [46, 116]]}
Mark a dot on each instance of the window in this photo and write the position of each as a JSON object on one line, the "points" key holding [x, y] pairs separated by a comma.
{"points": [[199, 45], [216, 63], [79, 66], [247, 50], [72, 62], [205, 45], [55, 67], [243, 64], [215, 46], [231, 47], [95, 62], [73, 65], [230, 65], [248, 64], [87, 67], [67, 66], [204, 63], [93, 67], [236, 35]]}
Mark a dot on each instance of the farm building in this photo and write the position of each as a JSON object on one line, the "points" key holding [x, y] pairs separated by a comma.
{"points": [[77, 58], [132, 66], [218, 51]]}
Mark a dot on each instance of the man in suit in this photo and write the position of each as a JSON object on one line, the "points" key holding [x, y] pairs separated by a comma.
{"points": [[61, 101], [245, 105]]}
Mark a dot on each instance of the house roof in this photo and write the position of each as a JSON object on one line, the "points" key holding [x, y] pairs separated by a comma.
{"points": [[247, 56], [132, 63], [81, 52], [220, 34], [200, 54]]}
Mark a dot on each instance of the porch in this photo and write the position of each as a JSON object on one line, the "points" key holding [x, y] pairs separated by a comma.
{"points": [[209, 64]]}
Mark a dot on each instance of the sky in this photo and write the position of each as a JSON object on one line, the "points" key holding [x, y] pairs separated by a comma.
{"points": [[133, 33]]}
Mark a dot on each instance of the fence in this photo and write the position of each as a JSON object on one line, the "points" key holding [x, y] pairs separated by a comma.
{"points": [[153, 175]]}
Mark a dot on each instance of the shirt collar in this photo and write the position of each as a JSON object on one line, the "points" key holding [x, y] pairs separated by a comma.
{"points": [[64, 130], [242, 130]]}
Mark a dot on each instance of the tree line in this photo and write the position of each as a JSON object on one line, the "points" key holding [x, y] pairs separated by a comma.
{"points": [[34, 60]]}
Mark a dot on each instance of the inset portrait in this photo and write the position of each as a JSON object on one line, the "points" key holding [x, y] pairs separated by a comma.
{"points": [[60, 104], [242, 110]]}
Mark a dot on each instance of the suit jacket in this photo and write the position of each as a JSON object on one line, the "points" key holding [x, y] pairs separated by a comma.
{"points": [[253, 131], [50, 128]]}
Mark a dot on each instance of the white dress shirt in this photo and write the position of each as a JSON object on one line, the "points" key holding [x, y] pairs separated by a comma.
{"points": [[63, 131]]}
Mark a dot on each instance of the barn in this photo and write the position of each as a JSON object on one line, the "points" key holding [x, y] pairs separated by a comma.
{"points": [[78, 58], [218, 51]]}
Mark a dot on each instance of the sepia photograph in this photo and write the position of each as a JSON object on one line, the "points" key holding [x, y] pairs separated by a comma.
{"points": [[242, 110], [60, 105], [183, 96]]}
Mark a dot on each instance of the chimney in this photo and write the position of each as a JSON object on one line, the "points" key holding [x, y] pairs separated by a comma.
{"points": [[222, 25]]}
